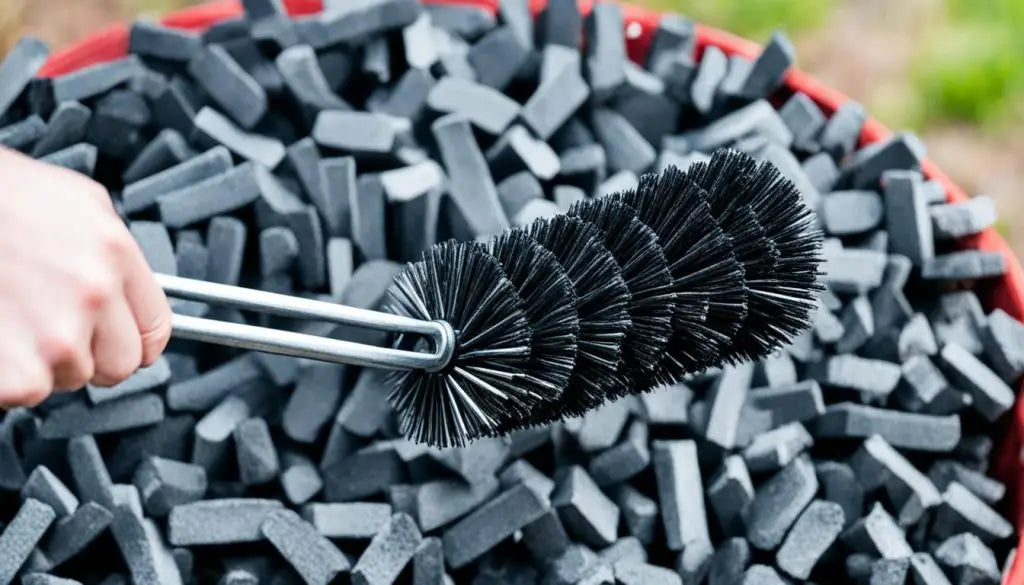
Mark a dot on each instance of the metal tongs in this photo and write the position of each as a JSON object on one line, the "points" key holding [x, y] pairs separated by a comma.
{"points": [[264, 339]]}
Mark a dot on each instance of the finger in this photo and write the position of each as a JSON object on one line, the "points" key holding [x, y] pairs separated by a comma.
{"points": [[25, 379], [147, 302], [69, 354], [116, 344]]}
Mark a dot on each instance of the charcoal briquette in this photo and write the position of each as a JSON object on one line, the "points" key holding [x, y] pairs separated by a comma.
{"points": [[23, 134], [213, 431], [312, 556], [441, 502], [19, 67], [165, 483], [258, 462], [22, 535], [498, 56], [203, 392], [956, 220], [921, 386], [627, 548], [759, 117], [878, 464], [851, 212], [352, 521], [517, 150], [143, 193], [388, 553], [634, 573], [849, 372], [888, 571], [812, 535], [968, 560], [842, 131], [409, 95], [639, 513], [606, 50], [912, 431], [587, 513], [42, 485], [149, 39], [729, 493], [166, 150], [776, 448], [267, 151], [962, 511], [77, 418], [877, 534], [943, 472], [301, 72], [779, 501], [625, 148], [80, 158], [795, 402], [991, 396], [964, 265], [428, 563], [710, 73], [680, 496], [620, 182], [340, 262], [545, 538], [67, 126], [71, 535], [222, 521], [361, 474], [855, 271], [694, 562], [623, 461], [490, 524], [821, 171], [486, 108], [555, 101], [470, 183]]}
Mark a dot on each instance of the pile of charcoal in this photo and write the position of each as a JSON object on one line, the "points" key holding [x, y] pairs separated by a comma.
{"points": [[315, 155]]}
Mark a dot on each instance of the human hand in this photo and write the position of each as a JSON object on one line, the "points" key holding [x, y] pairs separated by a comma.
{"points": [[78, 302]]}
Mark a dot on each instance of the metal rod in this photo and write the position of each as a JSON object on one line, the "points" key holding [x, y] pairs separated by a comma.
{"points": [[299, 344]]}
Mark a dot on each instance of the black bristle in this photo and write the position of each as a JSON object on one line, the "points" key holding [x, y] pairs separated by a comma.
{"points": [[603, 305], [709, 281], [550, 305], [781, 254], [646, 272], [481, 389]]}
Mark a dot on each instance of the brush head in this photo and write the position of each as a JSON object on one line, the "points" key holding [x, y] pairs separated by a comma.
{"points": [[645, 271], [623, 294], [549, 302], [481, 389]]}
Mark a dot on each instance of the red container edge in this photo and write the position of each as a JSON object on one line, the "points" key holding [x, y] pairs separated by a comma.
{"points": [[641, 23]]}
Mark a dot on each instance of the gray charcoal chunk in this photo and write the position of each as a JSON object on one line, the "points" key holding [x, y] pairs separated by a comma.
{"points": [[352, 521], [877, 534], [357, 132], [354, 22], [639, 513], [516, 14], [23, 134], [231, 86], [21, 535], [204, 391], [80, 158], [312, 264], [968, 560], [584, 166], [761, 575], [545, 538], [257, 457], [520, 471], [92, 481], [225, 239], [587, 513], [779, 501], [625, 147], [771, 65], [44, 486], [43, 579], [759, 117], [278, 251], [729, 562], [916, 338], [73, 534], [840, 485], [777, 369], [301, 72], [634, 573], [851, 212], [428, 563], [855, 271], [484, 107], [842, 131], [1003, 339], [143, 548], [804, 118], [67, 126], [360, 474], [964, 265], [729, 493], [858, 325], [667, 406], [164, 484], [577, 564], [520, 188], [388, 552], [498, 56], [912, 494], [776, 448], [926, 571], [300, 479], [795, 402], [144, 192], [143, 380], [471, 185], [726, 400], [695, 560], [627, 548], [555, 101], [903, 430], [148, 39], [945, 471], [516, 149], [340, 265], [317, 393], [337, 194], [19, 67], [258, 148], [620, 182], [366, 408], [623, 461], [222, 521], [956, 220], [312, 556], [679, 493], [490, 524], [600, 428], [922, 385], [812, 535], [560, 24], [935, 192], [91, 81], [565, 195], [467, 21], [991, 396], [220, 194], [821, 171], [851, 372], [441, 502], [713, 67], [890, 571], [962, 511], [77, 419], [606, 50], [907, 219]]}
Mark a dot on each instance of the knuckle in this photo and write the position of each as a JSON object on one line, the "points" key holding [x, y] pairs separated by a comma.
{"points": [[60, 348], [155, 337], [95, 290]]}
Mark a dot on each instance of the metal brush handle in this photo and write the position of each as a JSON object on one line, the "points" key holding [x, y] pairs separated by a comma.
{"points": [[299, 344]]}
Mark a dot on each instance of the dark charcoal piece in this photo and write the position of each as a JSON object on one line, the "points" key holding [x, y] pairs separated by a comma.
{"points": [[490, 524], [21, 135], [680, 496], [21, 535], [918, 432], [67, 126], [148, 39], [219, 194], [778, 502], [20, 66], [229, 85], [222, 521], [498, 57], [307, 83], [555, 101], [560, 24], [312, 556], [768, 70]]}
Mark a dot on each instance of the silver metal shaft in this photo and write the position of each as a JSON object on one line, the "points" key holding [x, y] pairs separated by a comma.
{"points": [[440, 333]]}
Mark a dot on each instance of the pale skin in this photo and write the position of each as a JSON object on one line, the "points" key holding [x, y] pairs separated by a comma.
{"points": [[78, 303]]}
